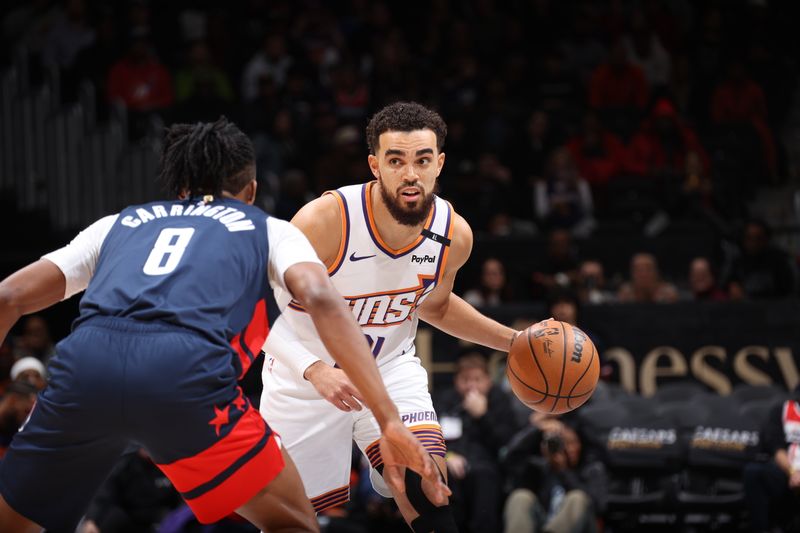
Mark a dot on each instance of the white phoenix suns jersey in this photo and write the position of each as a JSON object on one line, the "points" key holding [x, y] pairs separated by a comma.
{"points": [[383, 286]]}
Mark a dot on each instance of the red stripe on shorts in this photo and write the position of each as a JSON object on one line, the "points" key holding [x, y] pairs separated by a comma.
{"points": [[203, 479], [254, 336]]}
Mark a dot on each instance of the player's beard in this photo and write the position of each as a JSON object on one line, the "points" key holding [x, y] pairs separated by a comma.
{"points": [[416, 213]]}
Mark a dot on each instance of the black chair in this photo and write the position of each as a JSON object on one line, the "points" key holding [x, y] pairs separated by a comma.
{"points": [[635, 403], [607, 393], [680, 391], [758, 409], [642, 454], [711, 491], [745, 393]]}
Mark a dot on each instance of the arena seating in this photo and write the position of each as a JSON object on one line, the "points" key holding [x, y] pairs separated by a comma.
{"points": [[676, 458]]}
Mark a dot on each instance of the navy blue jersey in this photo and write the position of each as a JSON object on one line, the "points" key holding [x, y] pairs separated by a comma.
{"points": [[202, 266]]}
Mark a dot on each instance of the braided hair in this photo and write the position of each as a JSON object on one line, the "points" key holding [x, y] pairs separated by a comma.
{"points": [[206, 158]]}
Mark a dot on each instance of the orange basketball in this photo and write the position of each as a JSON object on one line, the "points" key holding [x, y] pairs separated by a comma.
{"points": [[553, 367]]}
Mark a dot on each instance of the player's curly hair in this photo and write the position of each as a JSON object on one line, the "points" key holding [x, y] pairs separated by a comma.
{"points": [[206, 158], [405, 116]]}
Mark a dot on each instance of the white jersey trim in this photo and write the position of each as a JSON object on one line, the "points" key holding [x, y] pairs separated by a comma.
{"points": [[78, 259]]}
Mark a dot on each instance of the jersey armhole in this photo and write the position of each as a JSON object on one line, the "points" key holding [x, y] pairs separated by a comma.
{"points": [[345, 236]]}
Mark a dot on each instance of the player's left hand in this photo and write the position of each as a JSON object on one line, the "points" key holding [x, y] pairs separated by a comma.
{"points": [[334, 385], [399, 449]]}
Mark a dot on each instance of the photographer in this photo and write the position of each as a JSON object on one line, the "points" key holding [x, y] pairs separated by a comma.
{"points": [[558, 488]]}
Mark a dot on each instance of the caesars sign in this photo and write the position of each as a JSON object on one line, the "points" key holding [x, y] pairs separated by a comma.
{"points": [[717, 344]]}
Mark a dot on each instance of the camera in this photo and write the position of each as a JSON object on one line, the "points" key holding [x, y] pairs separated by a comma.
{"points": [[553, 442]]}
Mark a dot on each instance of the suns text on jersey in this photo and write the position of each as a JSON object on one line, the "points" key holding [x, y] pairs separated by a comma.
{"points": [[390, 308]]}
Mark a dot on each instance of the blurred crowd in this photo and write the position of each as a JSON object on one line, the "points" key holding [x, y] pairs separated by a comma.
{"points": [[561, 115], [565, 119], [753, 269]]}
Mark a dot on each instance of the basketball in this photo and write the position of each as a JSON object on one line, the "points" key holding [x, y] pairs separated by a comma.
{"points": [[553, 367]]}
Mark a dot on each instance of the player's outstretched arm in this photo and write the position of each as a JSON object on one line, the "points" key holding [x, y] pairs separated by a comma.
{"points": [[451, 314], [34, 287], [310, 285]]}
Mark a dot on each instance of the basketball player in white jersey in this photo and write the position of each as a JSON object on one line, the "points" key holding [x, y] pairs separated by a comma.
{"points": [[392, 248]]}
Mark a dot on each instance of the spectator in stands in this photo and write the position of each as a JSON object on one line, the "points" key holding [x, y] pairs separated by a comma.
{"points": [[618, 91], [93, 62], [563, 306], [350, 93], [697, 192], [141, 82], [342, 164], [599, 154], [135, 497], [201, 74], [644, 49], [759, 270], [557, 487], [661, 146], [259, 114], [617, 84], [277, 149], [31, 371], [27, 23], [532, 151], [584, 49], [70, 34], [559, 266], [772, 488], [646, 285], [558, 91], [35, 339], [294, 194], [591, 283], [15, 406], [493, 289], [477, 420], [738, 100], [564, 198], [273, 60], [703, 281]]}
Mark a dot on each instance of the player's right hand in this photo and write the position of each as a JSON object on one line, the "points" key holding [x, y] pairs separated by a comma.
{"points": [[334, 385], [399, 449]]}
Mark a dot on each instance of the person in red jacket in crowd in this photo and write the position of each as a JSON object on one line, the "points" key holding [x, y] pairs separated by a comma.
{"points": [[661, 146], [598, 153], [139, 80], [738, 99], [617, 83]]}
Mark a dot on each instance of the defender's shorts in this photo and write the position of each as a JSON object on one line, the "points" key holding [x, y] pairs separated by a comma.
{"points": [[319, 436], [167, 388]]}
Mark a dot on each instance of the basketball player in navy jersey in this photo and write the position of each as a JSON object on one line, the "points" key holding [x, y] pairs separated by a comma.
{"points": [[179, 299], [392, 248]]}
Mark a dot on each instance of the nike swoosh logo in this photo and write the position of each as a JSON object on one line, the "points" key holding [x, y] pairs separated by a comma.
{"points": [[354, 258]]}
